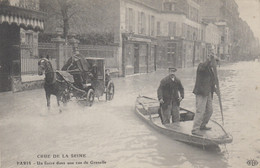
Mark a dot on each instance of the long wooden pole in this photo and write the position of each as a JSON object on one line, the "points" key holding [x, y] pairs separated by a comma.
{"points": [[214, 65]]}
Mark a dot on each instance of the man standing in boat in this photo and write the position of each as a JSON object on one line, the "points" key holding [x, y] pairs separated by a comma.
{"points": [[205, 85], [168, 94]]}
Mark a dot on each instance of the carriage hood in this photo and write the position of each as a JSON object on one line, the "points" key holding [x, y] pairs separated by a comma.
{"points": [[77, 61]]}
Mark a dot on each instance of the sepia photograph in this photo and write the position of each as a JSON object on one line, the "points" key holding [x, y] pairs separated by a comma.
{"points": [[129, 83]]}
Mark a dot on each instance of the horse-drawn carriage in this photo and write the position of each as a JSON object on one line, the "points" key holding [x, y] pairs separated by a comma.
{"points": [[81, 77]]}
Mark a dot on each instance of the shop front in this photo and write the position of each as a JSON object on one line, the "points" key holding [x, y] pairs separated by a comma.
{"points": [[139, 55], [170, 53]]}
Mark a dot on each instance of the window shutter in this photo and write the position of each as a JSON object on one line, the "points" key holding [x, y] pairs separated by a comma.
{"points": [[149, 25], [139, 22], [126, 19], [174, 29], [134, 20], [170, 28]]}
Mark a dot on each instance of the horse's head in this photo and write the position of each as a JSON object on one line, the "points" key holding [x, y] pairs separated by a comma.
{"points": [[42, 66]]}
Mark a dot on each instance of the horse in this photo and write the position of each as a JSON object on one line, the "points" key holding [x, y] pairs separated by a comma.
{"points": [[52, 85]]}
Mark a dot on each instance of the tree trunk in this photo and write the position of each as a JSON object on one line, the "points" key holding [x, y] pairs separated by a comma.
{"points": [[65, 28], [64, 12]]}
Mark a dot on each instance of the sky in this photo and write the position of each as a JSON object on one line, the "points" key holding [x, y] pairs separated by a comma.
{"points": [[250, 12]]}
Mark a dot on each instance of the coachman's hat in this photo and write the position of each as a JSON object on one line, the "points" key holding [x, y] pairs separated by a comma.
{"points": [[172, 69]]}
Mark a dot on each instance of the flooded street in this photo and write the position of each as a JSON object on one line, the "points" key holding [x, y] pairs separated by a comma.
{"points": [[112, 136]]}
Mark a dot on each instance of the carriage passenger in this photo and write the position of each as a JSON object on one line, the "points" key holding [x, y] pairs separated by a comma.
{"points": [[107, 76]]}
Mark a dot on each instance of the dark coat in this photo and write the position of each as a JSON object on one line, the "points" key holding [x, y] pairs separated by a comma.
{"points": [[205, 81], [168, 90]]}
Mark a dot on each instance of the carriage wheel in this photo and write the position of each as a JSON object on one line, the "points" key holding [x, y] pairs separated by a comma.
{"points": [[110, 91], [90, 97]]}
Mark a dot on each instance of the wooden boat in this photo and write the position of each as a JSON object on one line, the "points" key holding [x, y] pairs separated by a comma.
{"points": [[147, 109]]}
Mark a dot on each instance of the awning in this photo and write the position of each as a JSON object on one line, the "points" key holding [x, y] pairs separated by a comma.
{"points": [[26, 18], [23, 22]]}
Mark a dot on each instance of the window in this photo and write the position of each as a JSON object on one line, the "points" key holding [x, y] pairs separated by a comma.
{"points": [[189, 32], [126, 19], [143, 23], [152, 26], [184, 30], [29, 4], [158, 28], [139, 23], [196, 15], [172, 28], [131, 20], [222, 39], [190, 13], [195, 34], [202, 35], [149, 24], [171, 49], [169, 6]]}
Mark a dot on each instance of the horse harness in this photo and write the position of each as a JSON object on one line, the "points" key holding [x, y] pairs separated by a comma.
{"points": [[49, 69]]}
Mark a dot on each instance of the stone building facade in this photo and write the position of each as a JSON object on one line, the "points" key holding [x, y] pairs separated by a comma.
{"points": [[149, 33], [224, 13], [153, 34]]}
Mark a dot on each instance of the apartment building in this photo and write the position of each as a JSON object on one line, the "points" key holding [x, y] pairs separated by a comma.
{"points": [[150, 34], [181, 34], [140, 25], [226, 40], [223, 13], [169, 35]]}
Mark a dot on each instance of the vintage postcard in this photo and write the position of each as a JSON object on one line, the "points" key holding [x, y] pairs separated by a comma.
{"points": [[129, 83]]}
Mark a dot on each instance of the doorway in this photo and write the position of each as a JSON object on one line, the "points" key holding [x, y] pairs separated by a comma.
{"points": [[136, 58], [171, 54], [153, 55]]}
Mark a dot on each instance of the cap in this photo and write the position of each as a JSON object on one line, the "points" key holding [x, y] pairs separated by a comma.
{"points": [[172, 69]]}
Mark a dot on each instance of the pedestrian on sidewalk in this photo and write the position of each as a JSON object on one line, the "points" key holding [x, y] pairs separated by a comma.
{"points": [[205, 85], [170, 93]]}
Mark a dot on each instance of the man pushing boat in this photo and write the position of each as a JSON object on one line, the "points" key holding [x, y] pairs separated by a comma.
{"points": [[168, 94], [205, 86]]}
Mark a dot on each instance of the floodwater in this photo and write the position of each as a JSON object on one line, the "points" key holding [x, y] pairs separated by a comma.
{"points": [[111, 135]]}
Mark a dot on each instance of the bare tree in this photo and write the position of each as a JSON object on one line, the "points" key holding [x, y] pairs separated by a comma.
{"points": [[68, 8], [87, 18], [62, 12]]}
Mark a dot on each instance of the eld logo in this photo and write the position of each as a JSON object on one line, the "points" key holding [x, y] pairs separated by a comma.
{"points": [[252, 162]]}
